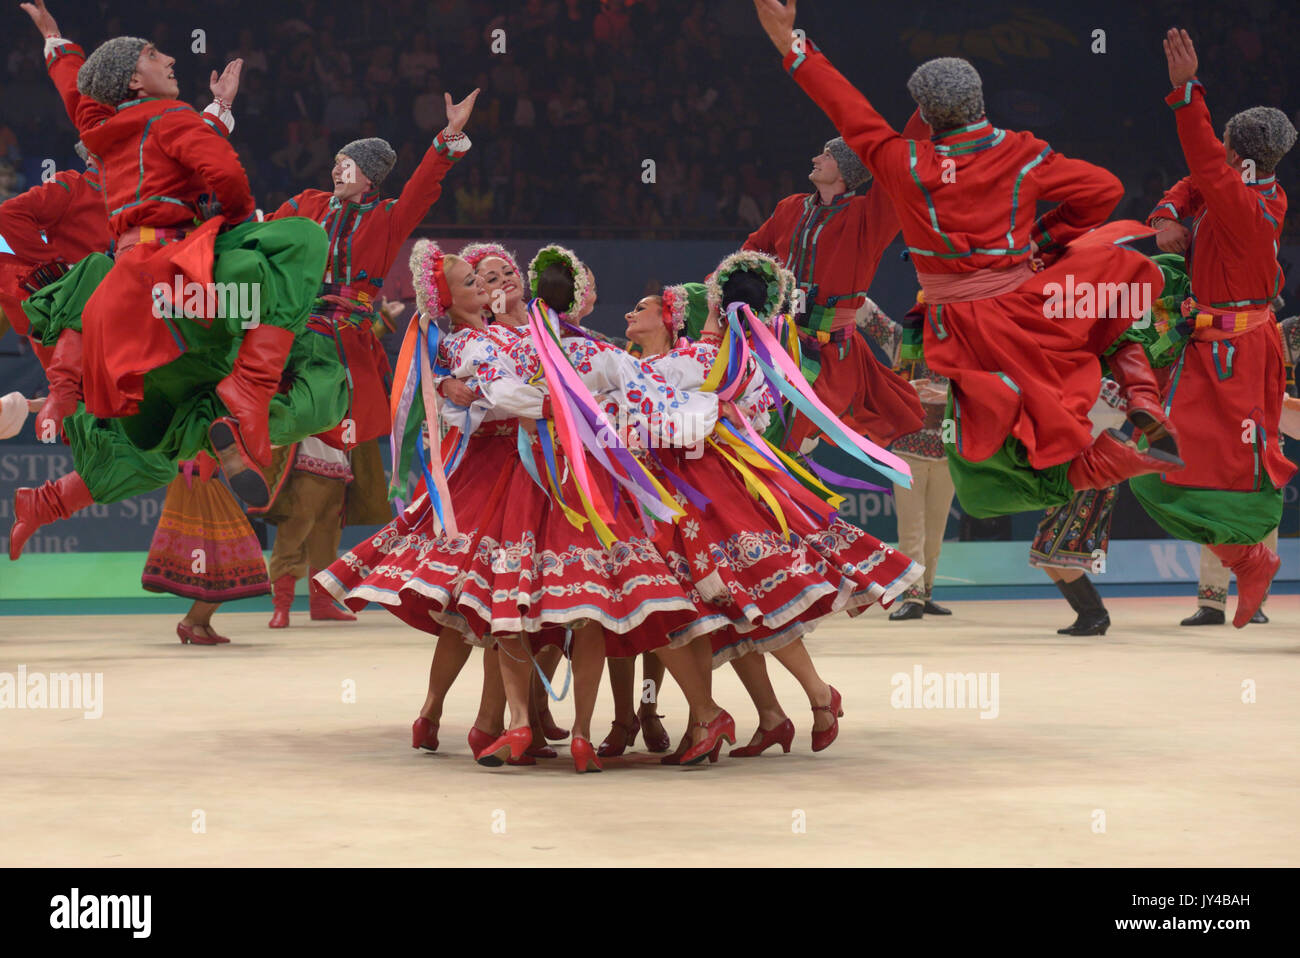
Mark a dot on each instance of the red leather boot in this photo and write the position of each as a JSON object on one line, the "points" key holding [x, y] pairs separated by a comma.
{"points": [[1111, 460], [33, 508], [1254, 566], [1130, 368], [322, 603], [64, 373], [282, 598], [241, 440]]}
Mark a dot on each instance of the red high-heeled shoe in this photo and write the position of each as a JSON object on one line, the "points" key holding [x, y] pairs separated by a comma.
{"points": [[479, 739], [584, 756], [511, 744], [823, 739], [219, 639], [782, 735], [608, 749], [552, 731], [655, 741], [424, 734], [539, 748], [722, 727], [189, 634]]}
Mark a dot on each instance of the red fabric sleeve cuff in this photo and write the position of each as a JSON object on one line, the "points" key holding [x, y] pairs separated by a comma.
{"points": [[1183, 95]]}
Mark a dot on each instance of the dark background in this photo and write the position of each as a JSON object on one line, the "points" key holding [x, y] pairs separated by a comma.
{"points": [[587, 90]]}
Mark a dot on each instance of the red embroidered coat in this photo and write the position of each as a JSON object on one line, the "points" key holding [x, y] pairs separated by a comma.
{"points": [[966, 201], [157, 158], [365, 238], [69, 212], [1228, 380]]}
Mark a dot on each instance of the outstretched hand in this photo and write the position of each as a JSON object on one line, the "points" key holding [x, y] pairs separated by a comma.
{"points": [[777, 19], [1181, 56], [458, 113], [225, 86], [43, 19]]}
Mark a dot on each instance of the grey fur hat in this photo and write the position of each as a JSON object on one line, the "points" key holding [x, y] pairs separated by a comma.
{"points": [[106, 75], [1262, 134], [373, 156], [949, 92], [850, 164]]}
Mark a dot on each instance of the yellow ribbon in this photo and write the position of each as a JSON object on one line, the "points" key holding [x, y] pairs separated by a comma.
{"points": [[756, 487]]}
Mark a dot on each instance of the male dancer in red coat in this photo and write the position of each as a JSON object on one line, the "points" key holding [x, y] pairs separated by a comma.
{"points": [[832, 240], [1229, 382], [366, 234], [1022, 377], [159, 364], [50, 228]]}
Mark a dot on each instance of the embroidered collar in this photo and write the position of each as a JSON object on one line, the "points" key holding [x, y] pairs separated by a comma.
{"points": [[143, 99], [368, 199], [964, 134], [1267, 186], [815, 198]]}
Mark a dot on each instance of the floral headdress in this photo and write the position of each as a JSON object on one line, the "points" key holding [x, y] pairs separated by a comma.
{"points": [[569, 259], [475, 253], [432, 292], [779, 280], [686, 307]]}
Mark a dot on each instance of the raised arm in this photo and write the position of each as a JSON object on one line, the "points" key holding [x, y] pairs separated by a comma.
{"points": [[1223, 188], [425, 185], [63, 59], [879, 145], [882, 149]]}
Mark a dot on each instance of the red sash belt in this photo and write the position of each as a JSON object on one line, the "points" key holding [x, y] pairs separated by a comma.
{"points": [[967, 287]]}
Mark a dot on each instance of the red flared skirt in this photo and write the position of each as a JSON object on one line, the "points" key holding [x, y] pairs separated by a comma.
{"points": [[761, 589], [517, 564], [1025, 363]]}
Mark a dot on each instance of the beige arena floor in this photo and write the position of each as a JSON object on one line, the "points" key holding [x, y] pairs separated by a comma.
{"points": [[1133, 749]]}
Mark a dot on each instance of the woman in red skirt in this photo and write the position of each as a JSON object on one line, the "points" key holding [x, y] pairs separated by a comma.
{"points": [[204, 549], [766, 569], [526, 569]]}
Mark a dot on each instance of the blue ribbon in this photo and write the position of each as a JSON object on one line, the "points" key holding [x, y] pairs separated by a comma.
{"points": [[831, 427]]}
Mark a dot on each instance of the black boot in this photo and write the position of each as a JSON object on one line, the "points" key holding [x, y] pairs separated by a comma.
{"points": [[1204, 615], [1093, 619]]}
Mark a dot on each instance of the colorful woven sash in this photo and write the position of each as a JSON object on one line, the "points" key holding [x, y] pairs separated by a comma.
{"points": [[339, 301], [1205, 322], [139, 235]]}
